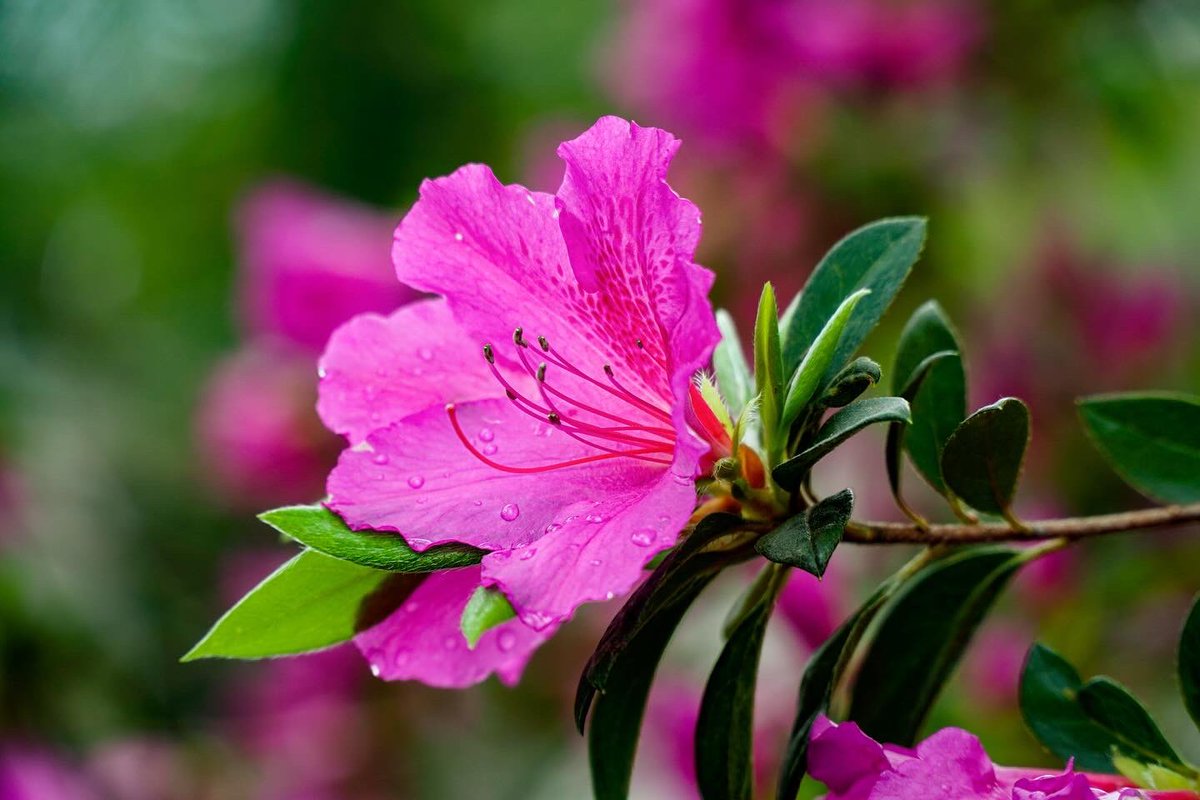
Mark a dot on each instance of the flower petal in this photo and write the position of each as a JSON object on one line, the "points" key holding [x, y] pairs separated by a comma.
{"points": [[593, 550], [422, 639], [416, 477], [377, 370]]}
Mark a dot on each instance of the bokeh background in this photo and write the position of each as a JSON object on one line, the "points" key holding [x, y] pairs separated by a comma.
{"points": [[195, 193]]}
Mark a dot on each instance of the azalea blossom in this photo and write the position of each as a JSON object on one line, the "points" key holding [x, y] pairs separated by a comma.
{"points": [[950, 763], [541, 407]]}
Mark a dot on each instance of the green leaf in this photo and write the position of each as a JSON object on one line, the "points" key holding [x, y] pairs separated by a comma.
{"points": [[939, 401], [1152, 440], [1048, 698], [921, 636], [1189, 662], [837, 429], [1110, 705], [729, 362], [897, 430], [807, 540], [821, 677], [859, 375], [878, 257], [768, 368], [311, 602], [320, 529], [486, 609], [724, 739], [1152, 776], [685, 569], [982, 460], [818, 360]]}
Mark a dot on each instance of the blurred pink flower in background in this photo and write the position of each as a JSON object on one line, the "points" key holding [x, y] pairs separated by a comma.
{"points": [[813, 606], [29, 772], [308, 262], [992, 666]]}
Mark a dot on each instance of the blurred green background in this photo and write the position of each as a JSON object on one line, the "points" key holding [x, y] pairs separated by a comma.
{"points": [[1058, 161]]}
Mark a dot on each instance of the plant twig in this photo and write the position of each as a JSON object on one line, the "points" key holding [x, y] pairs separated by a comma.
{"points": [[1070, 528]]}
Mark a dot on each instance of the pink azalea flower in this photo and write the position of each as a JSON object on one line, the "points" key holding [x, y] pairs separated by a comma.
{"points": [[310, 262], [950, 763], [565, 337]]}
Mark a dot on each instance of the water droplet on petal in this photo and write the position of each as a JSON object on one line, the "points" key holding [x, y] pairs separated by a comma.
{"points": [[595, 562], [552, 527], [609, 595], [486, 434], [510, 512], [528, 554], [321, 373], [425, 354], [506, 641], [644, 537], [477, 503], [380, 458], [458, 237], [416, 481], [411, 606], [375, 670], [451, 642], [489, 449], [594, 518]]}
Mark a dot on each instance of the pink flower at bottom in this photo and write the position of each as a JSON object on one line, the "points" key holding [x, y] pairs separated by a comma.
{"points": [[564, 339], [951, 764], [34, 773]]}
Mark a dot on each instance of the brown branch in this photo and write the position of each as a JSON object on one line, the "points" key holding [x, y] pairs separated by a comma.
{"points": [[1071, 528]]}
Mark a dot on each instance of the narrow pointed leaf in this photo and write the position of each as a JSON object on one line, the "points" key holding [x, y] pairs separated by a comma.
{"points": [[320, 529], [811, 375], [486, 609], [807, 540], [921, 636], [878, 257], [311, 602], [768, 367], [837, 429], [729, 362], [1152, 440], [724, 740], [859, 375], [939, 402], [1189, 663], [982, 459]]}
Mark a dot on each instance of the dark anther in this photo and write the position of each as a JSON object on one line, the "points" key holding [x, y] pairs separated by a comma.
{"points": [[511, 394], [545, 344], [488, 354], [541, 372], [608, 370], [640, 345], [554, 418], [518, 340]]}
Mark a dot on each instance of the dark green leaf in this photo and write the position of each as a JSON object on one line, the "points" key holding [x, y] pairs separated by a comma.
{"points": [[768, 367], [486, 609], [1151, 440], [837, 429], [729, 362], [897, 431], [1110, 705], [811, 375], [1049, 691], [859, 375], [921, 636], [311, 602], [939, 402], [1189, 662], [682, 570], [807, 540], [878, 257], [982, 459], [320, 529], [725, 728]]}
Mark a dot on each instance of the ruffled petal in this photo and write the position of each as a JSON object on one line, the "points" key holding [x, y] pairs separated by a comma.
{"points": [[418, 478], [377, 370], [422, 640], [594, 550]]}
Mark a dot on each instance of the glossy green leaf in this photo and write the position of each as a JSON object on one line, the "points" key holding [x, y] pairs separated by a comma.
{"points": [[837, 429], [320, 529], [1153, 776], [897, 431], [982, 459], [921, 635], [811, 374], [1189, 663], [939, 402], [486, 609], [1048, 696], [859, 375], [311, 602], [1152, 440], [807, 540], [1111, 706], [724, 739], [729, 362], [878, 257], [768, 370]]}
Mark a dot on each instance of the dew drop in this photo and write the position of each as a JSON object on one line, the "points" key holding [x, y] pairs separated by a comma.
{"points": [[486, 434], [451, 642], [458, 237], [416, 481], [506, 641], [594, 518], [595, 562], [321, 373], [380, 458], [425, 354], [528, 554], [489, 449], [477, 503], [644, 537], [375, 670], [552, 527], [609, 595], [411, 606], [509, 512]]}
